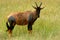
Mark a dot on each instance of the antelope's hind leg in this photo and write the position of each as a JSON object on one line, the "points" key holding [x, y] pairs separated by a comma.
{"points": [[11, 29], [10, 25]]}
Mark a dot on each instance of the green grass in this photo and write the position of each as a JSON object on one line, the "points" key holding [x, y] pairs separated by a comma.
{"points": [[47, 27]]}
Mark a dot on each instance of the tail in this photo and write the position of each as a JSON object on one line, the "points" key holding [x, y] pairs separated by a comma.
{"points": [[7, 26]]}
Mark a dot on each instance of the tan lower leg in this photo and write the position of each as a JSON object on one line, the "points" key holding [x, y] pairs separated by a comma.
{"points": [[9, 33], [30, 31]]}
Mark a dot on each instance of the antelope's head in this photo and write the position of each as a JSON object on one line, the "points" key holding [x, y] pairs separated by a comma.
{"points": [[38, 8]]}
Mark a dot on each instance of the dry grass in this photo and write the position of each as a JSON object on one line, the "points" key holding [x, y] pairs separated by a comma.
{"points": [[47, 27]]}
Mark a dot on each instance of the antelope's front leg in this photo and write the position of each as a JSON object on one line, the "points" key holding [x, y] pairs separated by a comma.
{"points": [[29, 28]]}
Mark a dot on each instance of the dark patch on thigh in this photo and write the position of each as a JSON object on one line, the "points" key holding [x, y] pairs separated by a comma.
{"points": [[11, 19]]}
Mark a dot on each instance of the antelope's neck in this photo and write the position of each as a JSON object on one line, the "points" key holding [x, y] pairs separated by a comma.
{"points": [[37, 13]]}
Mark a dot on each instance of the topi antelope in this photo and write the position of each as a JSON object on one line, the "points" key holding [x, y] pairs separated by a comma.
{"points": [[23, 18]]}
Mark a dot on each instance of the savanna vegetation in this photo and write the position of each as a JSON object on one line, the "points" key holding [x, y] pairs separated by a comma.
{"points": [[46, 27]]}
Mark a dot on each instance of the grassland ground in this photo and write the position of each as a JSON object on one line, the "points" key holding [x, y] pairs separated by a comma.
{"points": [[47, 27]]}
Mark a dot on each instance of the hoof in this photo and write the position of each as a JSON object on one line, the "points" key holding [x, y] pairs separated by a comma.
{"points": [[9, 33], [29, 31]]}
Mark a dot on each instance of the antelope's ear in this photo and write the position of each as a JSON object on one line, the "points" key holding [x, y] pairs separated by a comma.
{"points": [[43, 8], [34, 7]]}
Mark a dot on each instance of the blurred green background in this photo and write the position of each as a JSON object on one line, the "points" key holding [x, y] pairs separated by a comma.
{"points": [[47, 27]]}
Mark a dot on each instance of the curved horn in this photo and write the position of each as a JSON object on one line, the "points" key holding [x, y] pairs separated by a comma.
{"points": [[40, 4], [33, 7], [36, 4]]}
